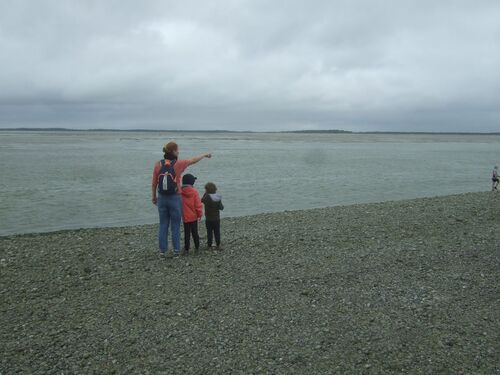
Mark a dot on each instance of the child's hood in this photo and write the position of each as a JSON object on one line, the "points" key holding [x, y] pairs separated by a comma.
{"points": [[215, 197], [188, 191]]}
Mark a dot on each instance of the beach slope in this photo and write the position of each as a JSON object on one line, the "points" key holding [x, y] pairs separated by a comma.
{"points": [[395, 287]]}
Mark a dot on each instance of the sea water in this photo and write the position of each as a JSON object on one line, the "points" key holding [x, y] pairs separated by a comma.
{"points": [[60, 180]]}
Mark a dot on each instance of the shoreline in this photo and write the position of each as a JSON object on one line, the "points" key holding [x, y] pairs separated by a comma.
{"points": [[405, 286], [54, 231]]}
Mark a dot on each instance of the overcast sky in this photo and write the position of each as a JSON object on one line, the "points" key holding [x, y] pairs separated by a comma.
{"points": [[251, 65]]}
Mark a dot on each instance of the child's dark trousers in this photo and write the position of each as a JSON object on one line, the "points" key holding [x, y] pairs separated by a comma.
{"points": [[213, 229], [191, 229]]}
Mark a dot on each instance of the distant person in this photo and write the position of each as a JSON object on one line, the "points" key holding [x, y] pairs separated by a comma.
{"points": [[166, 194], [495, 179], [213, 206], [192, 212]]}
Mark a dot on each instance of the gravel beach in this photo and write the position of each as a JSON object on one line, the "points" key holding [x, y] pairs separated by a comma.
{"points": [[395, 287]]}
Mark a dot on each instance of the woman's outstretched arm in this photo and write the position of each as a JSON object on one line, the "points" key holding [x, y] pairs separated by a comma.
{"points": [[196, 159]]}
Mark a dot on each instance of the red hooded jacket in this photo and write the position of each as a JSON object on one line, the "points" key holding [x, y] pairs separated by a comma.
{"points": [[192, 209]]}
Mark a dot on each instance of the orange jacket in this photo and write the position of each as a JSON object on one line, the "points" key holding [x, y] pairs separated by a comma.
{"points": [[192, 209]]}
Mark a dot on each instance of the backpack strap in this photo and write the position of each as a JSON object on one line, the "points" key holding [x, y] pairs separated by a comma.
{"points": [[162, 164]]}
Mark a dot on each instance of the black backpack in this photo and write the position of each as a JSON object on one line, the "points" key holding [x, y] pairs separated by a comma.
{"points": [[166, 179]]}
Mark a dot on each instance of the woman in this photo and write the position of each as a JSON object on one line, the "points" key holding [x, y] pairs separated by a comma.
{"points": [[166, 189]]}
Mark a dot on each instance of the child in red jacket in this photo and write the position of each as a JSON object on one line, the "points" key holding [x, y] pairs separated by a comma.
{"points": [[192, 211]]}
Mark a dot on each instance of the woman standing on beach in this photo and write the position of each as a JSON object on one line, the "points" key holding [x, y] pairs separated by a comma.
{"points": [[167, 182]]}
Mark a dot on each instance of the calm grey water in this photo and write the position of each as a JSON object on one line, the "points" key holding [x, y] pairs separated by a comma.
{"points": [[60, 180]]}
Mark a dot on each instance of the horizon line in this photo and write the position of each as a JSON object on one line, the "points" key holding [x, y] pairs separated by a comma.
{"points": [[304, 131]]}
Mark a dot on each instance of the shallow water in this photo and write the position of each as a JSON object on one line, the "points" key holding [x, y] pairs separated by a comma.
{"points": [[60, 180]]}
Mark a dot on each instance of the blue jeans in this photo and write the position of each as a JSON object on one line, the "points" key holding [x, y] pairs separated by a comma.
{"points": [[170, 210]]}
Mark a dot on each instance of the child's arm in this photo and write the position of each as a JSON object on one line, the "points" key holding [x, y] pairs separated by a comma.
{"points": [[198, 206], [221, 206]]}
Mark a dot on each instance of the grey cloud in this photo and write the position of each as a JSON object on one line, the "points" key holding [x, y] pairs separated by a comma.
{"points": [[256, 65]]}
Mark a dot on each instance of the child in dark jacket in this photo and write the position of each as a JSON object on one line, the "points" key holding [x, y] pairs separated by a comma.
{"points": [[213, 206], [192, 211]]}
